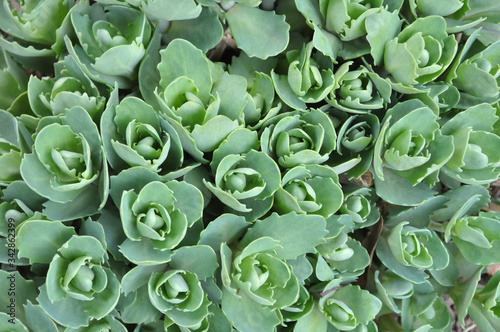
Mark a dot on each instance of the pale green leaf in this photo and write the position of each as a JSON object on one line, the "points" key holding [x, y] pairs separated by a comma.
{"points": [[144, 253], [248, 315], [170, 10], [17, 292], [204, 31], [199, 259], [226, 228], [463, 293], [397, 190], [39, 240], [297, 234], [37, 319], [266, 39], [181, 58]]}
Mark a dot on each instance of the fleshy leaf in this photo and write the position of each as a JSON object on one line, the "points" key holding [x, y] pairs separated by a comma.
{"points": [[297, 234], [181, 58], [462, 294], [226, 228], [144, 253], [18, 292], [68, 312], [397, 190], [267, 39], [248, 315], [199, 259], [204, 31], [37, 319], [39, 240]]}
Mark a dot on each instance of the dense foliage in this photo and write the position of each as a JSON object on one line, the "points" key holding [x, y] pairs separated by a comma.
{"points": [[248, 165]]}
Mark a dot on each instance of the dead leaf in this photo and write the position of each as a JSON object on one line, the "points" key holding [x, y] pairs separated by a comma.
{"points": [[494, 268]]}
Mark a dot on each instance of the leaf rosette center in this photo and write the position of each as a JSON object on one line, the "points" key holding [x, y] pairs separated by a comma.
{"points": [[179, 295], [144, 139], [83, 278], [151, 215], [68, 162], [339, 314], [243, 179], [260, 275]]}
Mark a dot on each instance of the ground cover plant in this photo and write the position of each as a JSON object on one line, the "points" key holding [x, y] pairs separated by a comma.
{"points": [[248, 165]]}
